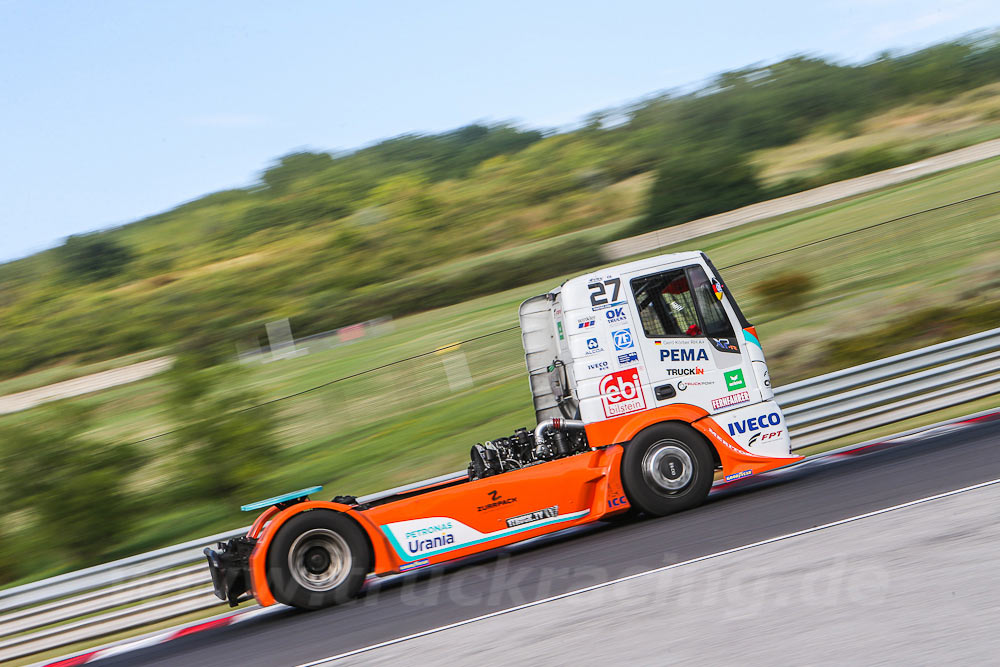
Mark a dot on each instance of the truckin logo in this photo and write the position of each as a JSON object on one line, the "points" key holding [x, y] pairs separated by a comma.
{"points": [[621, 393]]}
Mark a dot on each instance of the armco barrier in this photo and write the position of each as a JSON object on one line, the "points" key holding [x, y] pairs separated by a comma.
{"points": [[173, 581]]}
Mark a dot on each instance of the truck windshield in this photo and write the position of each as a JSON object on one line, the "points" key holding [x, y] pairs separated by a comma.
{"points": [[670, 302]]}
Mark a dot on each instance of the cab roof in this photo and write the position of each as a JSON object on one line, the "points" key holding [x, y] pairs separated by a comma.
{"points": [[630, 267]]}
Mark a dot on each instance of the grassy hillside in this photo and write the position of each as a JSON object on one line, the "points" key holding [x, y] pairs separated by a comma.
{"points": [[409, 223], [899, 286]]}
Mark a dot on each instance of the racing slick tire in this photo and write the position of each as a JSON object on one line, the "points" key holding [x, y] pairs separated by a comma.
{"points": [[667, 468], [317, 559]]}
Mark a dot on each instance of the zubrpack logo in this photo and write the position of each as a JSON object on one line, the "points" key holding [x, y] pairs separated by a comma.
{"points": [[621, 393]]}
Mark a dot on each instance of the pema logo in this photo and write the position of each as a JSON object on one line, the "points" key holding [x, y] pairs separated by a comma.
{"points": [[621, 393]]}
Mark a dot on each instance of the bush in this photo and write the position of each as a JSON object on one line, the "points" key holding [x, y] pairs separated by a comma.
{"points": [[698, 183], [226, 442], [785, 292], [73, 487], [91, 257]]}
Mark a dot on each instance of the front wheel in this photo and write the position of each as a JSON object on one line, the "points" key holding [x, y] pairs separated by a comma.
{"points": [[667, 468], [318, 558]]}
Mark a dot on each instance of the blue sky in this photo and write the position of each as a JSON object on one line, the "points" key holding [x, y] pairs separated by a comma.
{"points": [[111, 111]]}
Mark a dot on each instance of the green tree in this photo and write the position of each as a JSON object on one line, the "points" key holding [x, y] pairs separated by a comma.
{"points": [[73, 487], [225, 442], [697, 183], [90, 257]]}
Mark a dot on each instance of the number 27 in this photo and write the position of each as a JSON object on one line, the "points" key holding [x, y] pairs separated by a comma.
{"points": [[599, 292]]}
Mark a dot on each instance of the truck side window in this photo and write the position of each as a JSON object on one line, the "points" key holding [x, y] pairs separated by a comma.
{"points": [[666, 305], [713, 315]]}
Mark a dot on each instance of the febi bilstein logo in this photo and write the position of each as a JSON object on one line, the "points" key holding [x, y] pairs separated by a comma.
{"points": [[621, 393], [734, 379]]}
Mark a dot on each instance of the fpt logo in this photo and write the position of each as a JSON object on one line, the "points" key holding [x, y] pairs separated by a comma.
{"points": [[615, 314], [621, 393], [623, 339]]}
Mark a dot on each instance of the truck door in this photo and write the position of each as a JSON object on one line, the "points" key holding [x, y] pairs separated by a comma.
{"points": [[688, 340]]}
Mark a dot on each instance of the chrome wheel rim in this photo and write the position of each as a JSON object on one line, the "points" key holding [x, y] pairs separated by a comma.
{"points": [[319, 559], [667, 467]]}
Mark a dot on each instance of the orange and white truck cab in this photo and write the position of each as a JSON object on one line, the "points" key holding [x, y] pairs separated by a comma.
{"points": [[648, 384]]}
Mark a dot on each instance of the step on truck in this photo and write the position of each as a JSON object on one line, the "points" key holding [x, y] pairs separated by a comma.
{"points": [[649, 385]]}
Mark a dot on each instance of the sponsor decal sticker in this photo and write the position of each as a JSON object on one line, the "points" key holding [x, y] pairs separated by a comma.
{"points": [[764, 436], [618, 501], [621, 393], [687, 371], [598, 366], [724, 344], [734, 379], [738, 475], [585, 323], [717, 288], [414, 565], [604, 293], [629, 358], [685, 354], [430, 538], [615, 314], [416, 539], [593, 346], [752, 424], [731, 399], [497, 501], [532, 517], [623, 339]]}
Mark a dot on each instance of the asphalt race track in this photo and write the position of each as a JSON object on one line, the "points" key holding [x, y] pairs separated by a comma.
{"points": [[817, 492]]}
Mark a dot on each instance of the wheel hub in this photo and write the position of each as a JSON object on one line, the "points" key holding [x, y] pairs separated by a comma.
{"points": [[667, 467], [319, 559]]}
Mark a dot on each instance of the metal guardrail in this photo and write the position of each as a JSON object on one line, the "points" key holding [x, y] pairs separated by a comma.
{"points": [[155, 586]]}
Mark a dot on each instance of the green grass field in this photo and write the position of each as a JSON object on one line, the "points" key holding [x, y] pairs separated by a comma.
{"points": [[402, 423]]}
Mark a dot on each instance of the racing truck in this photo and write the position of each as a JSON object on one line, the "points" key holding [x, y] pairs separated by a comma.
{"points": [[649, 386]]}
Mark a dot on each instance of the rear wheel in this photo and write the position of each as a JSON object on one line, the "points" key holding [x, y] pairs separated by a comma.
{"points": [[667, 468], [318, 558]]}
